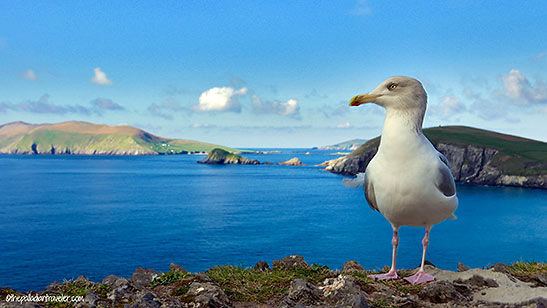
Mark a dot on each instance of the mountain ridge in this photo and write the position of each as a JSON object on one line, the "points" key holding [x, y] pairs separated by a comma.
{"points": [[85, 138]]}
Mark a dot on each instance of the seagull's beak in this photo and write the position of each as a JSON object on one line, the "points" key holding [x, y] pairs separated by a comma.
{"points": [[361, 99]]}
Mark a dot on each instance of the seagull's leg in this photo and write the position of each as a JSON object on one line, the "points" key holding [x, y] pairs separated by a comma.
{"points": [[421, 276], [392, 274]]}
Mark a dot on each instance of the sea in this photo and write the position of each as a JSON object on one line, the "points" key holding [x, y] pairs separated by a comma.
{"points": [[65, 216]]}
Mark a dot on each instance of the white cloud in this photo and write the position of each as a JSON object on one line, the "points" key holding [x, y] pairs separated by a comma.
{"points": [[220, 99], [521, 91], [29, 75], [344, 125], [288, 108], [448, 106], [361, 8], [100, 78]]}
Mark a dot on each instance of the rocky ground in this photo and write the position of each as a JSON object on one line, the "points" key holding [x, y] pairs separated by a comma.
{"points": [[294, 283]]}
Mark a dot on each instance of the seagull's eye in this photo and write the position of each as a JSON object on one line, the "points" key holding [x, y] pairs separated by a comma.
{"points": [[391, 86]]}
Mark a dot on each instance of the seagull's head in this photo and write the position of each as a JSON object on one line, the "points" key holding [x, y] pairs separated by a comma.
{"points": [[397, 92]]}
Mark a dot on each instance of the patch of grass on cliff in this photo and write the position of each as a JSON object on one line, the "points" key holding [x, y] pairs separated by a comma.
{"points": [[522, 268], [249, 285], [169, 278]]}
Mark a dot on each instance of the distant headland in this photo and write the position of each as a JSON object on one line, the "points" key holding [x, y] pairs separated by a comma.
{"points": [[84, 138], [476, 156]]}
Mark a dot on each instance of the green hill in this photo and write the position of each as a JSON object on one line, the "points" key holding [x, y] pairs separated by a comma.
{"points": [[90, 139], [515, 155], [476, 156]]}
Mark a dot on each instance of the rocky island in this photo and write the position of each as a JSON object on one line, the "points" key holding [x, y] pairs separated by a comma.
{"points": [[292, 162], [83, 138], [292, 282], [476, 156], [222, 157]]}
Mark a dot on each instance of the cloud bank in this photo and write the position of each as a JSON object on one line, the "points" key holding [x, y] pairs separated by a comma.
{"points": [[44, 106]]}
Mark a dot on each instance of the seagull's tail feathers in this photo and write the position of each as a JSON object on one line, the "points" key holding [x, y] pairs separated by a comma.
{"points": [[357, 181], [452, 216]]}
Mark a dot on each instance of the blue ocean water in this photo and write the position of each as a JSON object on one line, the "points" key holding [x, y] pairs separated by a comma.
{"points": [[62, 216]]}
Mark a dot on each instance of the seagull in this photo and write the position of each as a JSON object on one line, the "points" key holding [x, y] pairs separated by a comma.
{"points": [[408, 181]]}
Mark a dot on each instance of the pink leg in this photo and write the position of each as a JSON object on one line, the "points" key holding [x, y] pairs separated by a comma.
{"points": [[421, 276], [392, 274]]}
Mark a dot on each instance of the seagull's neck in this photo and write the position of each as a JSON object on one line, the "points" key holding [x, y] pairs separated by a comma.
{"points": [[401, 129]]}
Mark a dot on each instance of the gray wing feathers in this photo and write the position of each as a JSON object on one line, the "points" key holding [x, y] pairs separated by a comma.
{"points": [[445, 180], [444, 159], [369, 193]]}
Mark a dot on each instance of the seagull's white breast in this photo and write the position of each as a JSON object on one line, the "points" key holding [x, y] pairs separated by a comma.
{"points": [[403, 173]]}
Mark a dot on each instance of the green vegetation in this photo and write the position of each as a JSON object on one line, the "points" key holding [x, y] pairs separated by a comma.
{"points": [[89, 138], [169, 278], [516, 156], [527, 271], [246, 284]]}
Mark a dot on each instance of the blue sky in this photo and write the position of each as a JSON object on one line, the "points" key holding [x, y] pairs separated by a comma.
{"points": [[271, 74]]}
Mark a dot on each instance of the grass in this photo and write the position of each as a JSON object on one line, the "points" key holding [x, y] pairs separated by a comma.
{"points": [[526, 270], [45, 139], [169, 278], [249, 285]]}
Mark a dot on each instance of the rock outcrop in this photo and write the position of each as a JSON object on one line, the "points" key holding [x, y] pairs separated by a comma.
{"points": [[222, 157], [293, 283], [488, 164], [292, 162]]}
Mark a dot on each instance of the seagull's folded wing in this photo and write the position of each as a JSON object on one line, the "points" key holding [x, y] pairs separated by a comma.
{"points": [[444, 179]]}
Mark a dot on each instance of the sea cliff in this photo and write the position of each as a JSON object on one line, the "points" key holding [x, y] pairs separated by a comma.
{"points": [[475, 156]]}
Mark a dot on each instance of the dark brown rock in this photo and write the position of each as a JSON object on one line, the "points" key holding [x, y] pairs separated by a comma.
{"points": [[176, 268], [462, 267], [262, 266], [441, 292], [289, 262], [352, 266], [501, 267]]}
